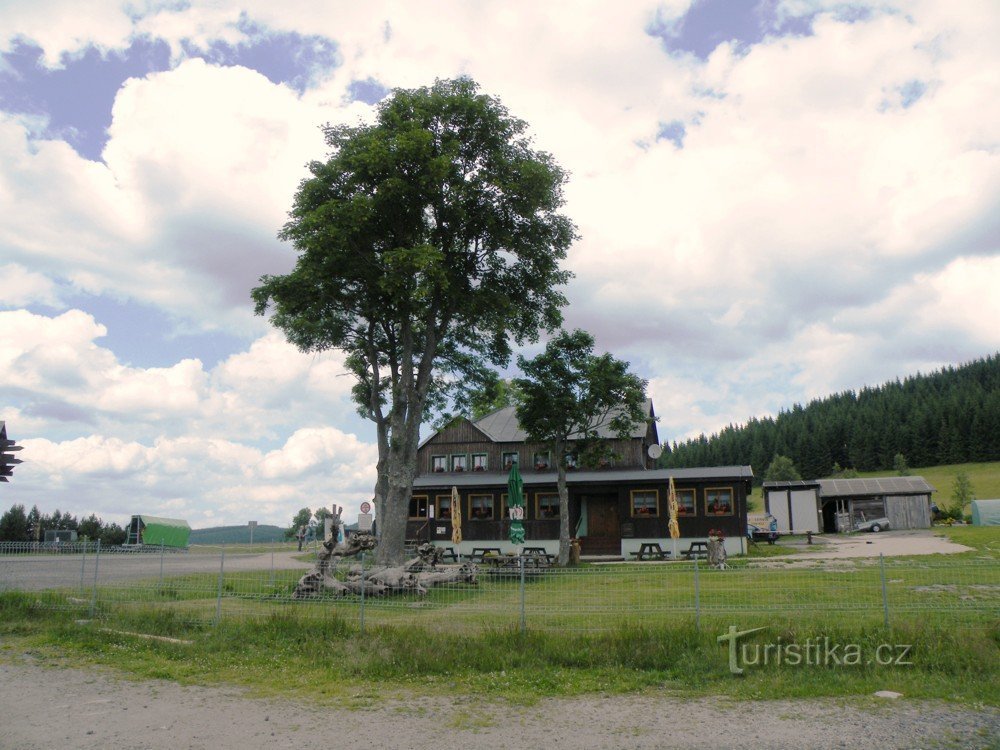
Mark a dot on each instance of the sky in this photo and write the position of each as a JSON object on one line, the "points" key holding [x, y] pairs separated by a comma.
{"points": [[776, 200]]}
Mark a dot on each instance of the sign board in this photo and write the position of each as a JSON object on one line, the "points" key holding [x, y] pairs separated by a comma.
{"points": [[366, 507], [365, 522], [440, 529], [252, 524], [517, 513]]}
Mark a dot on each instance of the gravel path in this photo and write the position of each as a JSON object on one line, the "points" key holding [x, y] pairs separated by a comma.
{"points": [[50, 707]]}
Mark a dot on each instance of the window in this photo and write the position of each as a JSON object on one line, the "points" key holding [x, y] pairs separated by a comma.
{"points": [[418, 506], [509, 459], [438, 463], [541, 460], [645, 503], [719, 502], [481, 507], [547, 505], [570, 459], [459, 462], [685, 503], [443, 507], [479, 462]]}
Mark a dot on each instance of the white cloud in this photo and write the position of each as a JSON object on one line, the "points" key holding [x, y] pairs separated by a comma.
{"points": [[819, 230]]}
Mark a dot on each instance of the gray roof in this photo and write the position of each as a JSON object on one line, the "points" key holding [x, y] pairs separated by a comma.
{"points": [[875, 486], [499, 479], [502, 426]]}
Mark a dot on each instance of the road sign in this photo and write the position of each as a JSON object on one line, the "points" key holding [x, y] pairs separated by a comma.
{"points": [[366, 507], [365, 522]]}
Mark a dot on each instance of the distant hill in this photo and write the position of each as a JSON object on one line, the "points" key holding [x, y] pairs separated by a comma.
{"points": [[236, 535], [944, 418]]}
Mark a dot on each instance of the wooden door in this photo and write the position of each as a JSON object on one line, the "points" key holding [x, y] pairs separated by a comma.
{"points": [[602, 517]]}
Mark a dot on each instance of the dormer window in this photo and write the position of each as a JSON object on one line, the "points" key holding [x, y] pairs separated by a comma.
{"points": [[509, 459], [479, 462], [438, 463], [459, 462], [541, 461]]}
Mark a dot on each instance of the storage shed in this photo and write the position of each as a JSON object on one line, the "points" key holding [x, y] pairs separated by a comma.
{"points": [[170, 532], [839, 505]]}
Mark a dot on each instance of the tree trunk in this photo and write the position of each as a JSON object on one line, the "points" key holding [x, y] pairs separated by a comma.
{"points": [[563, 504]]}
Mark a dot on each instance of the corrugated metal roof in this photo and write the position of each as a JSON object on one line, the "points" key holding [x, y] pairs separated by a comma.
{"points": [[502, 426], [493, 479], [164, 521], [791, 485], [874, 486]]}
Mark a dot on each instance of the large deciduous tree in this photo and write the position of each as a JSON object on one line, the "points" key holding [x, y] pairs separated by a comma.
{"points": [[571, 399], [428, 245]]}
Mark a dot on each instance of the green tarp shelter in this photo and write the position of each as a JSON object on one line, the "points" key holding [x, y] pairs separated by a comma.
{"points": [[170, 532], [986, 512]]}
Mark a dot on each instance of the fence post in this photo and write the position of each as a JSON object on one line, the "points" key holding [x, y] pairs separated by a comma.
{"points": [[83, 564], [161, 563], [362, 592], [885, 595], [697, 597], [93, 596], [524, 621], [272, 568], [218, 597]]}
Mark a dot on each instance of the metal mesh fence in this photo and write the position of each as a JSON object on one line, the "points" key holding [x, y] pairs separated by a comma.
{"points": [[208, 584]]}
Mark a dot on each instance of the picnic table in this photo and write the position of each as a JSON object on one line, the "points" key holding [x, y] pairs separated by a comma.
{"points": [[537, 552], [697, 549], [650, 551], [448, 553], [480, 554]]}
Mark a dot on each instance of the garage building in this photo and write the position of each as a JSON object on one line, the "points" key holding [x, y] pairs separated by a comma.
{"points": [[839, 505]]}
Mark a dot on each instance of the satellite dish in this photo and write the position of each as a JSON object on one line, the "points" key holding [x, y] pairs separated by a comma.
{"points": [[654, 451]]}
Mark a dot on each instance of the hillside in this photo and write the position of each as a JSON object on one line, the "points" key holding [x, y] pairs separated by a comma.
{"points": [[944, 418], [237, 535]]}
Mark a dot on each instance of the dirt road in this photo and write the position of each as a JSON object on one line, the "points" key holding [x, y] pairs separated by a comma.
{"points": [[51, 707]]}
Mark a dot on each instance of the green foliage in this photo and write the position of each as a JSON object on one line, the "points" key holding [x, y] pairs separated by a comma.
{"points": [[14, 525], [569, 399], [782, 469], [900, 466], [948, 417], [428, 245], [299, 521], [840, 473], [961, 495]]}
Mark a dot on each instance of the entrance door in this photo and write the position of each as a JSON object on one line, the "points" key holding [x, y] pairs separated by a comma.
{"points": [[603, 532]]}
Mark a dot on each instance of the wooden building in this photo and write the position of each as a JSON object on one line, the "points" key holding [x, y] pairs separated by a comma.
{"points": [[613, 508], [839, 505]]}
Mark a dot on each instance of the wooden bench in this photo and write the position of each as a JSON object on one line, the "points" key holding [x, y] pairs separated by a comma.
{"points": [[448, 553]]}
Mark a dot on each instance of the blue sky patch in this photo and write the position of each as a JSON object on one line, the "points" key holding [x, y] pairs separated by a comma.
{"points": [[709, 23], [910, 92], [368, 91], [282, 56], [673, 131], [77, 98], [144, 336]]}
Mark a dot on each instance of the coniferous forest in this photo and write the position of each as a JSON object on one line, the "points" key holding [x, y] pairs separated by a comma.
{"points": [[948, 417]]}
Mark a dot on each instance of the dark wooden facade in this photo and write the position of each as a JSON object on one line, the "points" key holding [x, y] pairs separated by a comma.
{"points": [[609, 506]]}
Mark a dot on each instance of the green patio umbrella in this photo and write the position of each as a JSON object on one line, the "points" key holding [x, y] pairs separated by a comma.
{"points": [[515, 501]]}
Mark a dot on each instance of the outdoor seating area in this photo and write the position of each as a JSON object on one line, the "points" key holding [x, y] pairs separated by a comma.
{"points": [[651, 551], [697, 549]]}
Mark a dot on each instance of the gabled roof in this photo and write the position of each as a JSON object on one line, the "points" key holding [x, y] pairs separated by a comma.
{"points": [[502, 426]]}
